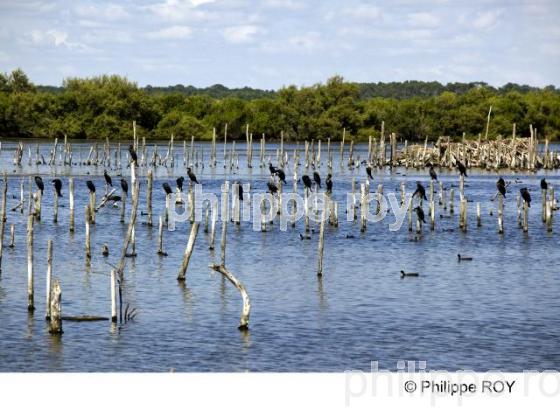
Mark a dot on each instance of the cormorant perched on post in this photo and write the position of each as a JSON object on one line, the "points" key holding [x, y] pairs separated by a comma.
{"points": [[368, 171], [272, 169], [240, 191], [281, 175], [124, 186], [420, 191], [526, 196], [306, 181], [39, 183], [544, 184], [501, 185], [317, 178], [420, 214], [57, 186], [90, 186], [133, 155], [180, 183], [433, 174], [272, 188], [328, 182], [191, 175], [461, 167], [108, 179], [166, 188]]}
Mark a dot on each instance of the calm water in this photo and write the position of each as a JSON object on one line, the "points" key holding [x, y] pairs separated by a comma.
{"points": [[500, 311]]}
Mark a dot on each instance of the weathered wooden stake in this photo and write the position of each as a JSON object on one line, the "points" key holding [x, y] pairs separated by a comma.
{"points": [[213, 226], [321, 245], [55, 324], [12, 236], [500, 213], [149, 196], [188, 252], [49, 276], [160, 238], [71, 200], [244, 322], [88, 233], [478, 218], [113, 296], [3, 218], [30, 289]]}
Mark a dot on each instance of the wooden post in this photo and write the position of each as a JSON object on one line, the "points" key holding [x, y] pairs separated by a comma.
{"points": [[223, 241], [525, 217], [12, 237], [113, 296], [321, 245], [38, 200], [131, 225], [3, 217], [410, 215], [549, 206], [544, 200], [88, 238], [55, 208], [71, 200], [452, 201], [49, 276], [55, 324], [160, 238], [92, 207], [500, 213], [363, 206], [213, 226], [30, 289], [519, 219], [478, 218], [123, 204], [244, 322], [188, 252], [149, 196]]}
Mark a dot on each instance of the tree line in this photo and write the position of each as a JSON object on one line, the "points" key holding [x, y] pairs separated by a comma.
{"points": [[104, 107]]}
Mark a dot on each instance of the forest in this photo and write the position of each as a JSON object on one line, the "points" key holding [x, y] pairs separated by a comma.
{"points": [[105, 106]]}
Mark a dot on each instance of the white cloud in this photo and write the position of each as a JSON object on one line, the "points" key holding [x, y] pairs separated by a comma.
{"points": [[107, 12], [57, 38], [424, 19], [364, 11], [241, 34], [177, 10], [486, 19], [285, 4], [171, 33]]}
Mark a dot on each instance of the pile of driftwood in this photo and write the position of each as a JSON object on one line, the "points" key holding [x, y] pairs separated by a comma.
{"points": [[513, 153]]}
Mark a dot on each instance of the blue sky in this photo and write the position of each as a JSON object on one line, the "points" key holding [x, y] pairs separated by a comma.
{"points": [[270, 43]]}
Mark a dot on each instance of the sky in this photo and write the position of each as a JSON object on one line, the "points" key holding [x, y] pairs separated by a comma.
{"points": [[271, 43]]}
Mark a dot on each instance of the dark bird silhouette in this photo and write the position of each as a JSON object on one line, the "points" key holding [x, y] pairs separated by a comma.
{"points": [[420, 214], [124, 186], [114, 198], [40, 184], [403, 274], [544, 184], [166, 188], [57, 187], [90, 186], [281, 175], [180, 183], [368, 171], [191, 175], [272, 169], [433, 174], [420, 191], [526, 196], [108, 179], [317, 178], [240, 191], [463, 258], [501, 185], [328, 182], [306, 181], [272, 188], [133, 155], [462, 168]]}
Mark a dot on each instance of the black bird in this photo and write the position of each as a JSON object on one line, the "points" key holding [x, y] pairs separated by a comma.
{"points": [[544, 184], [420, 214], [57, 186], [191, 175], [420, 191], [272, 188], [433, 174], [328, 182], [272, 169], [281, 175], [240, 192], [166, 188], [40, 184], [306, 181], [90, 186], [124, 186], [108, 179], [462, 168], [180, 183], [501, 185], [526, 196], [317, 178], [133, 155], [114, 198], [368, 171]]}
